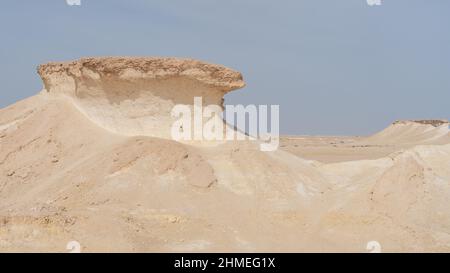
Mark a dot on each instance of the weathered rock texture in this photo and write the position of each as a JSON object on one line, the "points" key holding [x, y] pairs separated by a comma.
{"points": [[135, 96]]}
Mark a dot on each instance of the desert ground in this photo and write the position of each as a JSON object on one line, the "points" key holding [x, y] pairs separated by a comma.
{"points": [[90, 159]]}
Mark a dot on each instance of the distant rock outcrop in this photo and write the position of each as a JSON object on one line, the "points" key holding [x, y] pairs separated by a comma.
{"points": [[433, 122], [413, 132]]}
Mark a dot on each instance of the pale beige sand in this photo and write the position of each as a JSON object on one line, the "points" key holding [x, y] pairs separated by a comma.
{"points": [[89, 159], [400, 135]]}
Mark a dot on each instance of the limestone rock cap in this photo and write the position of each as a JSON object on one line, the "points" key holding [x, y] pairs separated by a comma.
{"points": [[432, 122], [130, 68]]}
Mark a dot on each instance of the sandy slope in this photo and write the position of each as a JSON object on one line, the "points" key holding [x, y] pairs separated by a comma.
{"points": [[80, 161]]}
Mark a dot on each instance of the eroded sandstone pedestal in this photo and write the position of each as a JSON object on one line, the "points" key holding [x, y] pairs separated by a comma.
{"points": [[135, 96]]}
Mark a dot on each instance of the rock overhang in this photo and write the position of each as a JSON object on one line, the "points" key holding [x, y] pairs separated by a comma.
{"points": [[143, 68], [135, 96]]}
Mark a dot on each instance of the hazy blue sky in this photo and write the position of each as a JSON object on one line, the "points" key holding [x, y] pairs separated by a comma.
{"points": [[334, 66]]}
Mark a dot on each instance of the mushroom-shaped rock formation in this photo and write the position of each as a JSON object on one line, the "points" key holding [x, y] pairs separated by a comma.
{"points": [[134, 95]]}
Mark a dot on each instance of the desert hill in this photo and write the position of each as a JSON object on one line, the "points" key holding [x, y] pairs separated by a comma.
{"points": [[90, 159]]}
